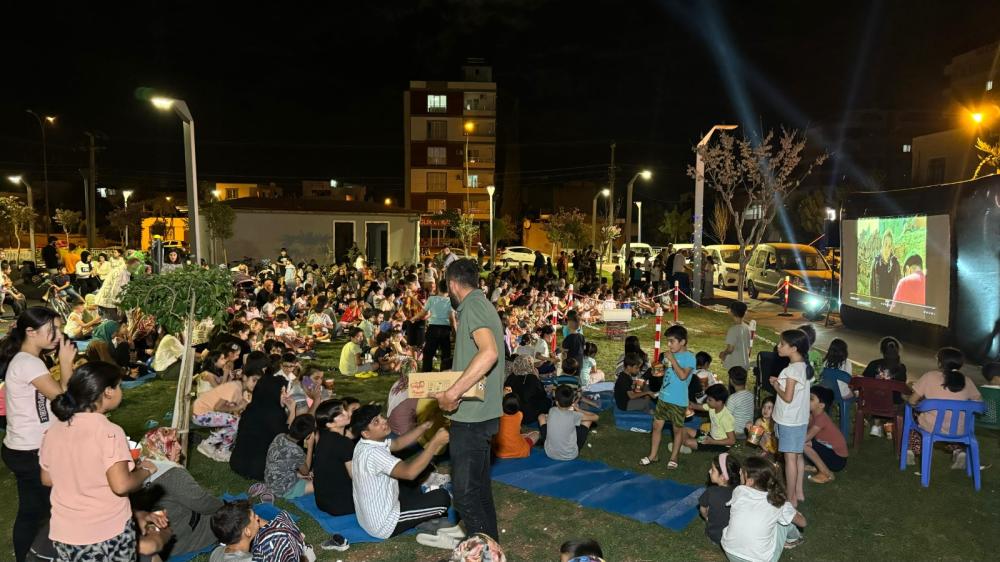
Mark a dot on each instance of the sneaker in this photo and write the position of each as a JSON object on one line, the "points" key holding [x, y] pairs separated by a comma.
{"points": [[876, 431], [222, 455], [792, 544], [336, 542], [433, 526], [454, 532], [207, 449], [959, 460], [911, 458], [443, 542]]}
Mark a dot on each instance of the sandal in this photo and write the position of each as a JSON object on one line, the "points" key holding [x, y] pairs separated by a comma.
{"points": [[646, 461], [672, 465], [821, 478]]}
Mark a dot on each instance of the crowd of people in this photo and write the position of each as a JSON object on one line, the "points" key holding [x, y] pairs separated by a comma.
{"points": [[276, 419]]}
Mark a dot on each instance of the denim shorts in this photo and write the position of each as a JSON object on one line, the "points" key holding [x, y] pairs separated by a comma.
{"points": [[791, 438]]}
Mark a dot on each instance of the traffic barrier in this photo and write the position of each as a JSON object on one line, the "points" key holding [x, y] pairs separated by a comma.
{"points": [[656, 335]]}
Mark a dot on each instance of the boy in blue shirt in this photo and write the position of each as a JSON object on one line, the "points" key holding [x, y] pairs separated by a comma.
{"points": [[678, 364]]}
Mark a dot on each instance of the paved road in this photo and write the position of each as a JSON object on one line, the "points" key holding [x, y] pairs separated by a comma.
{"points": [[863, 345]]}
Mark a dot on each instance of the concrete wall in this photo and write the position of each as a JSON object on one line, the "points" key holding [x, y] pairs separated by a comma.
{"points": [[261, 234]]}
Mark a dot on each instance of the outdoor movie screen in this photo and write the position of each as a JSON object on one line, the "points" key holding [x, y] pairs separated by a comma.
{"points": [[899, 266]]}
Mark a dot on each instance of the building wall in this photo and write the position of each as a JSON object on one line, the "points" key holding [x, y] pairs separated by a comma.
{"points": [[260, 234], [944, 157], [229, 190]]}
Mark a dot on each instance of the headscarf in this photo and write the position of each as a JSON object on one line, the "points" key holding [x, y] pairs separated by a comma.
{"points": [[523, 365], [158, 446], [478, 548]]}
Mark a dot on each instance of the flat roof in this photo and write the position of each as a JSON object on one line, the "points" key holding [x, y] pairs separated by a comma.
{"points": [[314, 205]]}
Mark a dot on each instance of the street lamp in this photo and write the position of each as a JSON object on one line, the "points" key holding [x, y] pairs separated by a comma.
{"points": [[829, 216], [31, 205], [126, 193], [42, 120], [639, 228], [388, 201], [180, 108], [699, 205], [646, 175], [490, 189], [593, 216], [469, 127], [217, 193]]}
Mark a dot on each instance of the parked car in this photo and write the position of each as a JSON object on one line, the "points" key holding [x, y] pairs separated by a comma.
{"points": [[518, 255], [640, 253], [727, 264], [803, 264]]}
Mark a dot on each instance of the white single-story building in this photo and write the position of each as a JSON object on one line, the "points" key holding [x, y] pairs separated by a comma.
{"points": [[323, 230]]}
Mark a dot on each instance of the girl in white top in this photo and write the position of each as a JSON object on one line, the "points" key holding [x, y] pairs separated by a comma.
{"points": [[791, 408], [29, 392], [762, 523]]}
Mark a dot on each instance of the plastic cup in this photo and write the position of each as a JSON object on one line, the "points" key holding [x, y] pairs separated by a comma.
{"points": [[756, 432]]}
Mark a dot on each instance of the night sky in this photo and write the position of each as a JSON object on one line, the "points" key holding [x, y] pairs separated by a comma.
{"points": [[286, 94]]}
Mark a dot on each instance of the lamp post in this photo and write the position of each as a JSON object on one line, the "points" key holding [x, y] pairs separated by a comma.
{"points": [[491, 189], [42, 120], [699, 206], [469, 127], [180, 109], [126, 193], [639, 227], [829, 216], [31, 205], [646, 175], [593, 216]]}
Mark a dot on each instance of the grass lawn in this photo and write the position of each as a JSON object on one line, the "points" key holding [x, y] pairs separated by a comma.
{"points": [[873, 511]]}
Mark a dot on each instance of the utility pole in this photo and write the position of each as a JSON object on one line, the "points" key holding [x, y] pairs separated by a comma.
{"points": [[91, 191], [611, 186]]}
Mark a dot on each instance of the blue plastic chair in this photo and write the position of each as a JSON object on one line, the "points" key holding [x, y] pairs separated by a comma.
{"points": [[960, 409], [829, 379]]}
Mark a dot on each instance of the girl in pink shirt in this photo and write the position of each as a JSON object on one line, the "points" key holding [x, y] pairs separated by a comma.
{"points": [[947, 383], [86, 460]]}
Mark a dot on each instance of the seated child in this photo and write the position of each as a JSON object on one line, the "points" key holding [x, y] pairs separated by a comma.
{"points": [[713, 504], [631, 391], [836, 358], [768, 441], [702, 363], [77, 327], [509, 442], [287, 469], [564, 430], [740, 402], [762, 523], [825, 448], [246, 537], [220, 408], [589, 373], [721, 434]]}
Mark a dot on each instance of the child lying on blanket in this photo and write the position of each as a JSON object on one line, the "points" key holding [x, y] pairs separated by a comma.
{"points": [[246, 537]]}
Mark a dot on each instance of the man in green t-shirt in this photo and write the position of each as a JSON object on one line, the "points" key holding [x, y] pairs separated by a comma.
{"points": [[479, 355]]}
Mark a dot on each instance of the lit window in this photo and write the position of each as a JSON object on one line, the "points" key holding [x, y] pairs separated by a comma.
{"points": [[437, 104], [989, 85], [907, 148], [348, 197], [437, 205], [232, 192], [437, 155], [473, 180]]}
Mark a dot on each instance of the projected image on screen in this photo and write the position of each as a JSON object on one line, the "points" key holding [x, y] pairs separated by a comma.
{"points": [[898, 265]]}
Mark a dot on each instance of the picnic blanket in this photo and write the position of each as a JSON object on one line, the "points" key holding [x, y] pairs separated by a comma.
{"points": [[126, 384], [599, 486], [346, 525]]}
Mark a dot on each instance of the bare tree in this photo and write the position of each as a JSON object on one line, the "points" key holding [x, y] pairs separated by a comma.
{"points": [[69, 221], [753, 179]]}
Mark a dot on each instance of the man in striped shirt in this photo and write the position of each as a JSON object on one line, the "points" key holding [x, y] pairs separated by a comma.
{"points": [[384, 508]]}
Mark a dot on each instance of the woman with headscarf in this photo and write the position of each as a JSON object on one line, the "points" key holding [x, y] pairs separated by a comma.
{"points": [[171, 488], [524, 382], [269, 414]]}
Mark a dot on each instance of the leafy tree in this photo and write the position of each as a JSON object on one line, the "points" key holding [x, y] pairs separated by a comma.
{"points": [[17, 215], [753, 178], [465, 229], [68, 220], [720, 222], [606, 237], [122, 217], [811, 212], [568, 228], [677, 225], [219, 219], [989, 156]]}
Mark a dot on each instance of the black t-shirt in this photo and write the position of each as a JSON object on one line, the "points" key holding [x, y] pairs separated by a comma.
{"points": [[715, 498], [573, 344], [623, 385], [330, 478]]}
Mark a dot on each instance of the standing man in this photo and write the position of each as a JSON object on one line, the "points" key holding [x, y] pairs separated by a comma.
{"points": [[479, 340], [50, 255]]}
